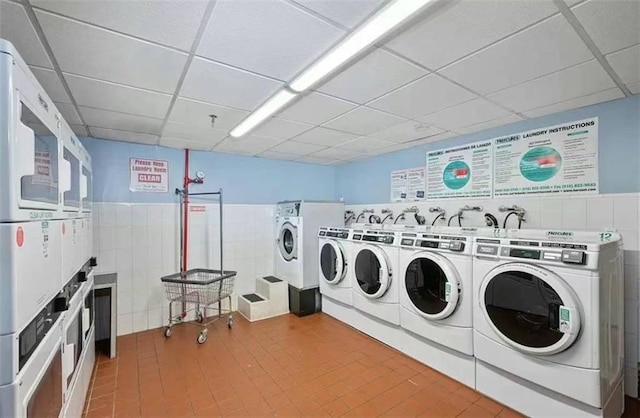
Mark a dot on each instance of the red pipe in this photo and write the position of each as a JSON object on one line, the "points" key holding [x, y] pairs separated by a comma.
{"points": [[185, 235]]}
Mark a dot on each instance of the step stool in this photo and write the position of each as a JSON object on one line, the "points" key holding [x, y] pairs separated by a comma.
{"points": [[270, 299]]}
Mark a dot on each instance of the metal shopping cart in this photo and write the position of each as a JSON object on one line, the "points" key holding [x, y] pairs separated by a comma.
{"points": [[198, 289], [201, 288]]}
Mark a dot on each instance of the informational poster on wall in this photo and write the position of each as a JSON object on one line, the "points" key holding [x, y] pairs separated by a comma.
{"points": [[556, 160], [150, 176], [399, 186], [459, 172], [416, 184]]}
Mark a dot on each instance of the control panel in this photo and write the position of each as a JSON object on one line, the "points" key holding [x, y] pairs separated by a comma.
{"points": [[381, 237], [451, 243], [288, 209], [334, 233], [567, 253], [33, 334]]}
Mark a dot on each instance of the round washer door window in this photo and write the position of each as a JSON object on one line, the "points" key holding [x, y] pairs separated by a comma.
{"points": [[530, 308], [332, 262], [433, 285], [287, 241], [372, 271]]}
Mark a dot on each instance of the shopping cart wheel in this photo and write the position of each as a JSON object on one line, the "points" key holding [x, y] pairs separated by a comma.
{"points": [[167, 332], [202, 338], [199, 317], [230, 322]]}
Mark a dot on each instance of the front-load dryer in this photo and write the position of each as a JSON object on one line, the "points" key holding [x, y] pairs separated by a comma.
{"points": [[334, 258], [375, 285], [549, 322], [435, 275]]}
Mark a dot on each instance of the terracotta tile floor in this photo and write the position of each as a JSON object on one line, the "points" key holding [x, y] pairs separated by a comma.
{"points": [[286, 366]]}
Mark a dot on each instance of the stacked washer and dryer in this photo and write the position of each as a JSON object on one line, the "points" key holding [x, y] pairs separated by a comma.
{"points": [[533, 319], [46, 240]]}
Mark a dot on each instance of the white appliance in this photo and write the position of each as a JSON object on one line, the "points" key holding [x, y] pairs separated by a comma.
{"points": [[549, 322], [435, 274], [375, 285], [334, 258]]}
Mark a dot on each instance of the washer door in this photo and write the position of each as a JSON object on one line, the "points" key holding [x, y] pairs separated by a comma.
{"points": [[332, 262], [532, 309], [288, 241], [432, 284], [372, 271]]}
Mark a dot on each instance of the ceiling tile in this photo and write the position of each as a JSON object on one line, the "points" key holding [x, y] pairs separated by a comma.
{"points": [[325, 137], [612, 25], [634, 87], [172, 23], [465, 114], [207, 135], [573, 82], [601, 96], [221, 84], [406, 131], [363, 121], [348, 13], [193, 112], [69, 113], [80, 130], [16, 28], [626, 63], [316, 108], [489, 124], [366, 144], [272, 38], [51, 83], [387, 150], [460, 28], [248, 145], [278, 155], [297, 148], [93, 52], [511, 61], [426, 95], [281, 128], [181, 143], [123, 136], [310, 159], [120, 121], [109, 96], [376, 74], [336, 154]]}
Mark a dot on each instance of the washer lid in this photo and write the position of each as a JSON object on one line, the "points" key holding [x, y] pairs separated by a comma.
{"points": [[288, 241], [532, 309], [332, 262], [372, 271], [432, 284]]}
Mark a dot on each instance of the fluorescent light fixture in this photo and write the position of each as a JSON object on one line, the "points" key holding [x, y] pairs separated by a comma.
{"points": [[372, 30], [268, 108]]}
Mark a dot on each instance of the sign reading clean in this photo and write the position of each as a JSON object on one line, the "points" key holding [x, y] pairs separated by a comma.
{"points": [[148, 175]]}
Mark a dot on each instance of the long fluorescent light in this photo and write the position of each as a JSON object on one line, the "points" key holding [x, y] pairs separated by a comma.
{"points": [[372, 30], [271, 106]]}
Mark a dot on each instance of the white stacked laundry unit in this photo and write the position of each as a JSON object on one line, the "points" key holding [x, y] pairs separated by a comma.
{"points": [[46, 296]]}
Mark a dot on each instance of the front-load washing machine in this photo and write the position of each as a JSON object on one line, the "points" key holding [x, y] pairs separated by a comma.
{"points": [[435, 276], [297, 224], [549, 322], [375, 285]]}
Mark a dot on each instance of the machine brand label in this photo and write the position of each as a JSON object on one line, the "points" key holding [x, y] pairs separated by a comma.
{"points": [[43, 103], [559, 234], [40, 215], [20, 236]]}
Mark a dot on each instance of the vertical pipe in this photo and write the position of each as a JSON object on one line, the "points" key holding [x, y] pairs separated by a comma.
{"points": [[185, 236], [221, 238]]}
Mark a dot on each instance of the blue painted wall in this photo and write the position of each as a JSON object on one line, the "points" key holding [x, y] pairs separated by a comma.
{"points": [[368, 181], [244, 180]]}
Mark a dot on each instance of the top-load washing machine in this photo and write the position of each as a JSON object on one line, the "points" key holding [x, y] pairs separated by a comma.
{"points": [[549, 322], [297, 225]]}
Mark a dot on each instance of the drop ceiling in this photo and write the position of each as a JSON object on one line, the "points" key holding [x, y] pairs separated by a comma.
{"points": [[153, 72]]}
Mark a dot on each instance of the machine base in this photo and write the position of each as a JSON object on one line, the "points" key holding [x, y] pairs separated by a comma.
{"points": [[303, 302]]}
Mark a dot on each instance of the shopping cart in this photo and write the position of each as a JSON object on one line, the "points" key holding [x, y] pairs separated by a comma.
{"points": [[199, 288]]}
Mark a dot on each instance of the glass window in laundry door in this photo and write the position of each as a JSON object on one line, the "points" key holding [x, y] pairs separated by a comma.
{"points": [[426, 285], [367, 269], [72, 197], [46, 400], [42, 186], [329, 263], [287, 241], [524, 308], [74, 341], [86, 201]]}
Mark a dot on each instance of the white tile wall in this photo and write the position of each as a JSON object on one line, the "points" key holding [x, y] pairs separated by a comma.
{"points": [[141, 243], [597, 212]]}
